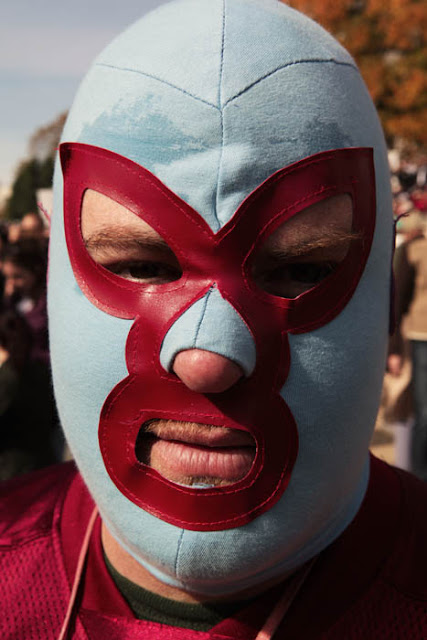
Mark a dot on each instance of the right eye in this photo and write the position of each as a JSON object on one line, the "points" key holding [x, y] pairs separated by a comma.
{"points": [[124, 244], [152, 272]]}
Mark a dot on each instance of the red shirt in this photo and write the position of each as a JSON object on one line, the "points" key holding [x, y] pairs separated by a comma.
{"points": [[371, 583]]}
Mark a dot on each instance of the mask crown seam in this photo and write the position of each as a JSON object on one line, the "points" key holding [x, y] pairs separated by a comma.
{"points": [[221, 115], [285, 66], [158, 79]]}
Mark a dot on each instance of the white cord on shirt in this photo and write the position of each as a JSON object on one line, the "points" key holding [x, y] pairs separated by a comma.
{"points": [[282, 606], [78, 575]]}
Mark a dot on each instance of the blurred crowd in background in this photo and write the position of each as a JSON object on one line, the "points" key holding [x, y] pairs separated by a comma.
{"points": [[30, 435], [404, 401], [408, 184]]}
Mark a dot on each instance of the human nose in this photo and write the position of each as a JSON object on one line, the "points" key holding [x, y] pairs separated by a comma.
{"points": [[206, 372], [209, 347]]}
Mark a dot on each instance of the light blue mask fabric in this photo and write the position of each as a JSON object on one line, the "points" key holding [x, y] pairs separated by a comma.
{"points": [[214, 96]]}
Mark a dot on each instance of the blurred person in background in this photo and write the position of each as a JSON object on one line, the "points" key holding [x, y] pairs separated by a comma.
{"points": [[3, 244], [397, 410], [13, 232], [32, 226], [27, 412], [24, 272], [410, 266]]}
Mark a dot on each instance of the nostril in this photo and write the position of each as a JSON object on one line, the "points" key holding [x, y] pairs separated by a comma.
{"points": [[206, 372]]}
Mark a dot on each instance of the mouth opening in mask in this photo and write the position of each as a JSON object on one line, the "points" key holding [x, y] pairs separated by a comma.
{"points": [[194, 454]]}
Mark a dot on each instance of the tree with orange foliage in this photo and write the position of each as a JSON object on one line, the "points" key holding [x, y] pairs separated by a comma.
{"points": [[388, 41]]}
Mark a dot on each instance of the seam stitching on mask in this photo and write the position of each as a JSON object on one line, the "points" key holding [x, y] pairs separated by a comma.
{"points": [[285, 66], [202, 315], [178, 551], [221, 114], [237, 308], [161, 80], [163, 189]]}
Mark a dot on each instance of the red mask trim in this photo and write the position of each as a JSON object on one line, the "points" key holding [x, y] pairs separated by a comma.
{"points": [[223, 259]]}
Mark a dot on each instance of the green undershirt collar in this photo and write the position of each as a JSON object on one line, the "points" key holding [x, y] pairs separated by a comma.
{"points": [[147, 605]]}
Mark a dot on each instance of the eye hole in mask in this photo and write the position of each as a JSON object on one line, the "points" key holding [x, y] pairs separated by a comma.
{"points": [[305, 249], [124, 244]]}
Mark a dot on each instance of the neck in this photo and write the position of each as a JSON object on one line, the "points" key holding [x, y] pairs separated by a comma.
{"points": [[131, 569]]}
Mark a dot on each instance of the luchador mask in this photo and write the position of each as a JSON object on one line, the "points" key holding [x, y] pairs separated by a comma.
{"points": [[219, 153]]}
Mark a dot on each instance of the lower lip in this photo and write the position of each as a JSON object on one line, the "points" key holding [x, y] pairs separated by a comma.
{"points": [[178, 461]]}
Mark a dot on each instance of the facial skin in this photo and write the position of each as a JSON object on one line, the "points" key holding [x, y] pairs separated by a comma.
{"points": [[17, 280], [294, 258]]}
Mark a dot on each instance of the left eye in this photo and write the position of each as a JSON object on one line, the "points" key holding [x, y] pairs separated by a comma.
{"points": [[145, 271], [309, 273]]}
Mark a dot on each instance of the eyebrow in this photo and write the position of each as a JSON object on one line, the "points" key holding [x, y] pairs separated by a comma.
{"points": [[303, 246], [118, 238]]}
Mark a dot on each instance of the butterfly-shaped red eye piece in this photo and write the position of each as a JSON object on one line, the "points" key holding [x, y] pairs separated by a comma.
{"points": [[224, 260]]}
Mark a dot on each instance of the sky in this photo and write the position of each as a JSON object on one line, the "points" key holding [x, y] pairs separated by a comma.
{"points": [[45, 48]]}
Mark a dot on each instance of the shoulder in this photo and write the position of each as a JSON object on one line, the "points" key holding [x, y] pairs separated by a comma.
{"points": [[406, 568], [383, 563], [28, 502], [35, 591]]}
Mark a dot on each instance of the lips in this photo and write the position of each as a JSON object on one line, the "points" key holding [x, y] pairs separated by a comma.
{"points": [[189, 453]]}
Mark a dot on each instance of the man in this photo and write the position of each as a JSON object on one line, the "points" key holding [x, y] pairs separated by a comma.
{"points": [[411, 306], [24, 271], [219, 306]]}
